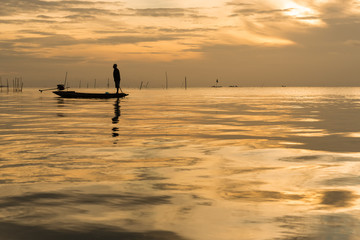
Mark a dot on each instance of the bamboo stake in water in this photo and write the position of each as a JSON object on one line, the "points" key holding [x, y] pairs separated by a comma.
{"points": [[65, 79], [185, 84], [166, 84], [141, 84]]}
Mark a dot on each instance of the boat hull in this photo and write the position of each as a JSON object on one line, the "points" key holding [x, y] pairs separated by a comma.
{"points": [[73, 94]]}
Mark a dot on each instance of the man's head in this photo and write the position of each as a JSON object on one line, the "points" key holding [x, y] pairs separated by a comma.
{"points": [[115, 65]]}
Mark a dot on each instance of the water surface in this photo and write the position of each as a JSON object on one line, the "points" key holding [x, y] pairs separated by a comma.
{"points": [[200, 164]]}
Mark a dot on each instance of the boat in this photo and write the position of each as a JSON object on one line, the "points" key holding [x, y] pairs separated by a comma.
{"points": [[73, 94], [216, 85]]}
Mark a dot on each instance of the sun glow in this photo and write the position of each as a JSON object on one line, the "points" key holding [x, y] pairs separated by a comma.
{"points": [[302, 14], [234, 37]]}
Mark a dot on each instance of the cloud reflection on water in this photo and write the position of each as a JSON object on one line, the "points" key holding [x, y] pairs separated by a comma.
{"points": [[26, 232]]}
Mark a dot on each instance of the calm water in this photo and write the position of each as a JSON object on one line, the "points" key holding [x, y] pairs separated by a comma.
{"points": [[201, 164]]}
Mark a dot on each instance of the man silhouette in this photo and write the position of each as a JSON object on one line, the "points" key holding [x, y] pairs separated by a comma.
{"points": [[117, 78]]}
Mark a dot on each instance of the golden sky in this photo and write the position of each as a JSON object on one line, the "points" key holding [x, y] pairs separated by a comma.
{"points": [[247, 43]]}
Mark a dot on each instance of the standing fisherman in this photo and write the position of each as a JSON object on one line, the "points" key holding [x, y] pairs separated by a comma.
{"points": [[117, 78]]}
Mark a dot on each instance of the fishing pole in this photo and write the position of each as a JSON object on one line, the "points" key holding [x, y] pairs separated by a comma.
{"points": [[59, 87]]}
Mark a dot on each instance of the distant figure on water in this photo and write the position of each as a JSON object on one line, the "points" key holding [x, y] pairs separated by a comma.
{"points": [[117, 78]]}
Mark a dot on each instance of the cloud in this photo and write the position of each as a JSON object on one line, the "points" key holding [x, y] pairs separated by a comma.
{"points": [[42, 44], [44, 17], [78, 17], [254, 11], [186, 30], [285, 33], [134, 39], [14, 7], [338, 198], [26, 21], [45, 41], [160, 12], [355, 43], [37, 32], [167, 12], [90, 11], [235, 3]]}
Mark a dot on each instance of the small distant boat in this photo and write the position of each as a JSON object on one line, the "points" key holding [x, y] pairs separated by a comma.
{"points": [[216, 85], [73, 94]]}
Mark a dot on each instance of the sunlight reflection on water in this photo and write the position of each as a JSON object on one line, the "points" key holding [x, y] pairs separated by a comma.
{"points": [[242, 163]]}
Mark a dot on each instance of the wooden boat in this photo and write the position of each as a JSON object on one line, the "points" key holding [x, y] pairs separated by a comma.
{"points": [[73, 94]]}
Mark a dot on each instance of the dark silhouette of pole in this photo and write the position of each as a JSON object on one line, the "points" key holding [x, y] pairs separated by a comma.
{"points": [[166, 83], [65, 79]]}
